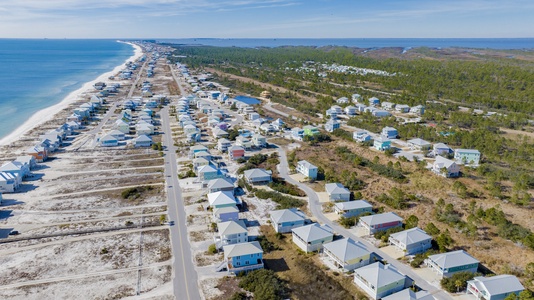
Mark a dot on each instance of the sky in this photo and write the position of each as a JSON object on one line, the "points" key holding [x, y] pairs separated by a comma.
{"points": [[266, 18]]}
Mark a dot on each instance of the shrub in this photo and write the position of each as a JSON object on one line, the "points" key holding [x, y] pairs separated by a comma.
{"points": [[264, 284], [457, 282], [212, 249], [347, 222], [283, 201]]}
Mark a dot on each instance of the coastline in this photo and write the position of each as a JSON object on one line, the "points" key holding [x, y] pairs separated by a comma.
{"points": [[48, 113]]}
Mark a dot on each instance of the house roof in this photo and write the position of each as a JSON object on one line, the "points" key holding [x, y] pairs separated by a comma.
{"points": [[143, 138], [206, 169], [474, 151], [379, 275], [232, 227], [452, 259], [11, 166], [198, 147], [108, 137], [353, 205], [408, 294], [226, 209], [441, 146], [442, 162], [336, 189], [235, 147], [223, 141], [200, 160], [411, 236], [221, 198], [219, 183], [497, 285], [387, 128], [242, 249], [346, 249], [312, 232], [116, 132], [418, 142], [256, 173], [381, 218], [306, 164], [287, 215]]}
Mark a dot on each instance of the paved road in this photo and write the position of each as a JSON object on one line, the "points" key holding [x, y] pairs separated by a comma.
{"points": [[316, 210], [185, 282]]}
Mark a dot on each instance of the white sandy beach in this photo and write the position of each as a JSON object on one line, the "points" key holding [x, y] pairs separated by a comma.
{"points": [[48, 113]]}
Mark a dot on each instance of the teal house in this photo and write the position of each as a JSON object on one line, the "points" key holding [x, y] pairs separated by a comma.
{"points": [[382, 144], [243, 257], [447, 264], [467, 156], [310, 130]]}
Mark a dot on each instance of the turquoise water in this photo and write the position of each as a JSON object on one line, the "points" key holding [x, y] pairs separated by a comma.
{"points": [[247, 100], [35, 74]]}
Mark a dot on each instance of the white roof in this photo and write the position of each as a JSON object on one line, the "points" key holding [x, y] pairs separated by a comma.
{"points": [[207, 168], [116, 132], [408, 294], [418, 142], [287, 215], [255, 173], [441, 146], [221, 198], [379, 275], [452, 259], [443, 162], [411, 236], [219, 183], [306, 164], [346, 249], [226, 209], [381, 218], [353, 205], [231, 227], [143, 138], [242, 249], [468, 151], [312, 232], [497, 285], [108, 137], [336, 188]]}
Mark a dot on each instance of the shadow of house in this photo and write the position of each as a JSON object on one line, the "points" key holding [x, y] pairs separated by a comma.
{"points": [[4, 214], [4, 232], [276, 264]]}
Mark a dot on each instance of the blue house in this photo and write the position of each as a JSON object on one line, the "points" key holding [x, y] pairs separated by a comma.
{"points": [[285, 220], [297, 133], [389, 132], [382, 144], [373, 101], [243, 257], [207, 173], [307, 169], [332, 125]]}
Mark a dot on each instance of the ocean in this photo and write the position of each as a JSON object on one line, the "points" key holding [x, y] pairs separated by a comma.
{"points": [[489, 43], [36, 74]]}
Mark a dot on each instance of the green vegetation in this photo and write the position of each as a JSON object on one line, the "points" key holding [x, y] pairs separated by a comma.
{"points": [[157, 146], [347, 155], [397, 198], [457, 282], [284, 187], [283, 201], [135, 192], [264, 284], [212, 249], [383, 235]]}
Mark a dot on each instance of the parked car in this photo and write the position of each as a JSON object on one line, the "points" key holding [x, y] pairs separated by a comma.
{"points": [[14, 232]]}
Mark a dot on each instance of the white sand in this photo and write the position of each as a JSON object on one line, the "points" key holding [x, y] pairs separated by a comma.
{"points": [[48, 113]]}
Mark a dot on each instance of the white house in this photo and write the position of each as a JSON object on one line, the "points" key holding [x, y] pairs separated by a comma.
{"points": [[258, 176], [361, 136], [108, 141], [379, 280], [353, 208], [347, 254], [494, 287], [142, 141], [311, 237], [307, 169], [445, 167], [337, 192], [380, 222], [419, 144], [409, 294], [231, 232], [411, 241], [389, 132]]}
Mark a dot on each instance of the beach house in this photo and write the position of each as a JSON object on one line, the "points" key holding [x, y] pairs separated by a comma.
{"points": [[258, 176], [332, 125], [225, 214], [418, 109], [382, 144], [409, 294], [285, 220], [378, 280], [231, 232], [389, 132], [311, 237], [195, 149], [310, 130], [259, 141], [207, 173], [297, 133], [361, 136], [332, 113], [278, 124], [350, 110], [307, 169], [373, 101], [402, 108], [449, 263], [445, 167], [388, 105], [142, 141], [235, 152], [27, 160], [220, 184], [353, 208], [419, 144], [119, 135], [342, 100], [346, 254], [442, 149], [8, 182], [243, 257], [337, 192], [380, 222], [108, 141], [200, 162], [467, 156], [495, 287], [38, 152], [122, 126], [356, 98], [222, 199], [223, 144], [411, 241]]}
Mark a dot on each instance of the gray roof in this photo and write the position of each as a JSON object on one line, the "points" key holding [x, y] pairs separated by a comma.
{"points": [[497, 285], [411, 236], [143, 138], [335, 189], [287, 215], [418, 141], [468, 151], [232, 227], [306, 164], [441, 146], [221, 198], [452, 259], [219, 183], [226, 209], [408, 294], [200, 160], [353, 205], [198, 147], [207, 168], [242, 249], [256, 173], [381, 218], [346, 249], [443, 162], [379, 275], [312, 232]]}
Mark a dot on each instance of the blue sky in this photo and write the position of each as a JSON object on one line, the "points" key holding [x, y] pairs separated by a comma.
{"points": [[266, 18]]}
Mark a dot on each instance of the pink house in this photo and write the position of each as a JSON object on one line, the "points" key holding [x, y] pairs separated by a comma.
{"points": [[236, 152]]}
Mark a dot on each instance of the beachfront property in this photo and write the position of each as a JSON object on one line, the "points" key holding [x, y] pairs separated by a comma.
{"points": [[220, 184], [231, 232], [225, 214], [495, 287], [419, 144], [307, 169], [27, 160], [337, 192], [332, 125], [258, 176], [203, 154], [373, 101], [332, 113], [297, 133], [467, 156], [445, 167], [223, 144], [267, 128], [378, 280], [353, 208], [235, 152], [382, 144], [346, 254], [380, 222], [18, 169], [360, 107], [442, 149], [119, 135], [108, 141], [409, 294], [219, 133], [311, 237], [8, 182], [259, 141], [285, 220], [243, 257], [411, 241], [122, 126], [142, 141], [447, 264], [310, 130], [361, 136], [39, 153], [222, 199], [389, 133]]}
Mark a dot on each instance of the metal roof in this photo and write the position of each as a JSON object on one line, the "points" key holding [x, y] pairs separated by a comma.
{"points": [[231, 227], [452, 259], [379, 275], [408, 294], [242, 249], [346, 249], [336, 188], [312, 232], [497, 285], [381, 218], [287, 215], [411, 236], [353, 205]]}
